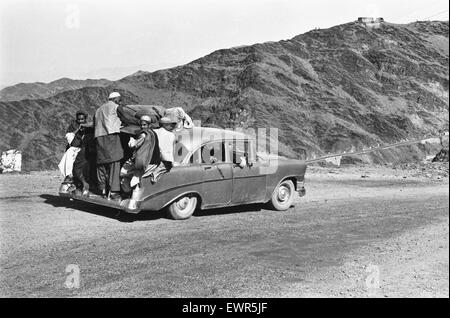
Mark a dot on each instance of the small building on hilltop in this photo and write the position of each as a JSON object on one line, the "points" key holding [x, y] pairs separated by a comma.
{"points": [[371, 22]]}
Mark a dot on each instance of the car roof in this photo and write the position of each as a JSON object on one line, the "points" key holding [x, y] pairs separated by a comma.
{"points": [[193, 138]]}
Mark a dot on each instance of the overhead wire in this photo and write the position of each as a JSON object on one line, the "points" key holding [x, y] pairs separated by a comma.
{"points": [[434, 15]]}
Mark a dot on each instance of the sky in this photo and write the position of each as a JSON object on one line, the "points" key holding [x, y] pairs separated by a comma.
{"points": [[43, 40]]}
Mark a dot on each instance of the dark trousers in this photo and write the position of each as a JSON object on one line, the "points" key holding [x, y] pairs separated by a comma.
{"points": [[108, 176], [81, 169]]}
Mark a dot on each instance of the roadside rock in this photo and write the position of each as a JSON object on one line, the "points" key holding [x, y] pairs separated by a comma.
{"points": [[442, 156], [429, 170]]}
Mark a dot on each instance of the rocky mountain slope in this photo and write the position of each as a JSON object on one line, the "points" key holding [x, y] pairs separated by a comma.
{"points": [[44, 90], [326, 91]]}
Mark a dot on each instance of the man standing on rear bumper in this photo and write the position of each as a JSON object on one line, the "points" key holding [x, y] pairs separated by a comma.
{"points": [[108, 146]]}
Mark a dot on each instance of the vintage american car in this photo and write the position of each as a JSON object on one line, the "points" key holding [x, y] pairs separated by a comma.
{"points": [[214, 168]]}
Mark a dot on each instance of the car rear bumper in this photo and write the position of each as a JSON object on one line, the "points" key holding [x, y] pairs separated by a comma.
{"points": [[127, 205]]}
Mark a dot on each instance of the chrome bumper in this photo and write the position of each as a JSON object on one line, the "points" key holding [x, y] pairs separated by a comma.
{"points": [[128, 205]]}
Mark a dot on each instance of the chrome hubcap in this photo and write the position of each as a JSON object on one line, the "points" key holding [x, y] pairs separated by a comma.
{"points": [[283, 194], [183, 203]]}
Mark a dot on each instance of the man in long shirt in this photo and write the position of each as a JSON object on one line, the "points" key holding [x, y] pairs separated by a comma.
{"points": [[166, 141], [109, 147]]}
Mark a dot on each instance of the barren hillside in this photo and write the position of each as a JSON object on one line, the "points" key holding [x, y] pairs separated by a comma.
{"points": [[44, 90], [326, 90]]}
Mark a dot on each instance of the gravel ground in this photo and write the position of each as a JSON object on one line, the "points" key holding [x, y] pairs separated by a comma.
{"points": [[359, 232]]}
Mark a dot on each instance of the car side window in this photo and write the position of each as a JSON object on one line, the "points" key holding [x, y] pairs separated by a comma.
{"points": [[238, 152], [242, 148], [213, 152], [195, 157]]}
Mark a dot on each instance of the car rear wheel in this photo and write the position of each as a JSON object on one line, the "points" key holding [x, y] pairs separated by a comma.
{"points": [[183, 207], [283, 196]]}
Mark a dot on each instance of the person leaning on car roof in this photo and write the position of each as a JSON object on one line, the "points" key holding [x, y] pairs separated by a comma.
{"points": [[166, 141], [183, 119]]}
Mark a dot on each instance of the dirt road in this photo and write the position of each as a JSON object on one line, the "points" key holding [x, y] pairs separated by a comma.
{"points": [[365, 232]]}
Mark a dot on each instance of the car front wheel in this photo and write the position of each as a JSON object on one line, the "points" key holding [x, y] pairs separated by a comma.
{"points": [[283, 196], [183, 207]]}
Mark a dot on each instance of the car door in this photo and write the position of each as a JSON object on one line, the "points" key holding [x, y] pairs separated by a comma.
{"points": [[216, 169], [249, 180]]}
